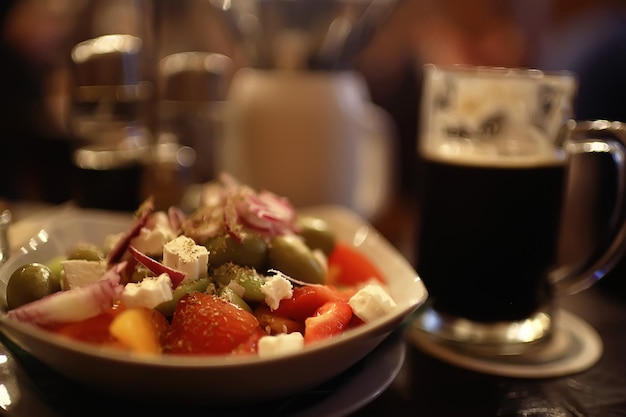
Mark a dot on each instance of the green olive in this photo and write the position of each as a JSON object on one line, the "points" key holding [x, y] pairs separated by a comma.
{"points": [[167, 307], [30, 283], [56, 265], [139, 273], [317, 234], [86, 251], [228, 294], [252, 251], [290, 255], [246, 277]]}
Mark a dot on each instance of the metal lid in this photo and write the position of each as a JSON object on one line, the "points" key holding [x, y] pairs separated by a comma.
{"points": [[195, 76], [109, 66]]}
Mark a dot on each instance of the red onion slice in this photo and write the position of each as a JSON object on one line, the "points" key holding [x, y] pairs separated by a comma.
{"points": [[120, 247], [293, 280], [176, 218], [230, 206], [158, 268], [73, 305], [204, 223], [268, 212]]}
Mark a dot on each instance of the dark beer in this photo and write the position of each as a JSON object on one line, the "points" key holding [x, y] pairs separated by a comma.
{"points": [[488, 236]]}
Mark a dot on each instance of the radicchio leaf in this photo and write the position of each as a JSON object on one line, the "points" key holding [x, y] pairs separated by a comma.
{"points": [[156, 267]]}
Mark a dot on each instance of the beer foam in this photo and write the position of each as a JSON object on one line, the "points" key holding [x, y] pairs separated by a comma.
{"points": [[495, 122], [466, 154]]}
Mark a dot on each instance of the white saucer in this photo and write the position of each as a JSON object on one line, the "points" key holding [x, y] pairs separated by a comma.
{"points": [[39, 391], [574, 347]]}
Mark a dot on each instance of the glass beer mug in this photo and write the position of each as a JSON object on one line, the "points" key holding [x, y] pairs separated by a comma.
{"points": [[496, 146]]}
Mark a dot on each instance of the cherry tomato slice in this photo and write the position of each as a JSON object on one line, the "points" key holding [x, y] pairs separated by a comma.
{"points": [[329, 320], [347, 267], [94, 330], [204, 324], [306, 300], [274, 323]]}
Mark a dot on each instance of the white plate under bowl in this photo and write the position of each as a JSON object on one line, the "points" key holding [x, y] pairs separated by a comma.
{"points": [[208, 380]]}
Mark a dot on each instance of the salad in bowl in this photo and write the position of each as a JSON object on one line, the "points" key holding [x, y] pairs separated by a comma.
{"points": [[243, 299]]}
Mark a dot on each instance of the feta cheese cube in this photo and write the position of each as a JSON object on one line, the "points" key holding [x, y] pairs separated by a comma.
{"points": [[371, 302], [79, 272], [184, 255], [275, 289], [271, 346], [151, 241], [149, 293]]}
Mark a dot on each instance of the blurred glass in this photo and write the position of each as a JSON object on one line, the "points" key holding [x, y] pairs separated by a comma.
{"points": [[192, 71], [192, 88], [108, 90], [111, 109]]}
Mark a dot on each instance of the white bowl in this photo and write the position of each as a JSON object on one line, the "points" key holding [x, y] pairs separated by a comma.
{"points": [[208, 380]]}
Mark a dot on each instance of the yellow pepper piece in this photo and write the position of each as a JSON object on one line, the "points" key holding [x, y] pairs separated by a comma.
{"points": [[135, 329]]}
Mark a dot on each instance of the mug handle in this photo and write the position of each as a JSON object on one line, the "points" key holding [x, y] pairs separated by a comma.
{"points": [[579, 140]]}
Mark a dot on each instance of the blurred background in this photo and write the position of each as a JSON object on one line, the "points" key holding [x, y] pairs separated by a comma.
{"points": [[69, 91], [584, 36]]}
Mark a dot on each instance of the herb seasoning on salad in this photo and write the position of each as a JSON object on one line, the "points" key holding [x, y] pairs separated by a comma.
{"points": [[243, 274]]}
